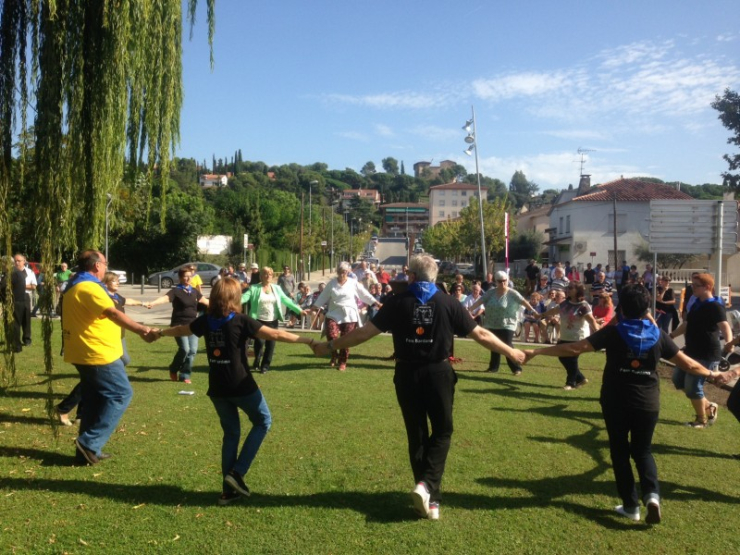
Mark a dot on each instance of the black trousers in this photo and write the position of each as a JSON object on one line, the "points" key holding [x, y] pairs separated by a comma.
{"points": [[574, 376], [425, 395], [631, 435], [733, 401], [26, 322], [507, 336], [22, 322], [263, 360]]}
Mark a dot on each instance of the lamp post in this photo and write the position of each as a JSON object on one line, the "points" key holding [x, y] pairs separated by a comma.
{"points": [[331, 208], [107, 207], [310, 213], [472, 140]]}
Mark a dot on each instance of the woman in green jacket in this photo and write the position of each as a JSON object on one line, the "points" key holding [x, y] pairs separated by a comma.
{"points": [[266, 302]]}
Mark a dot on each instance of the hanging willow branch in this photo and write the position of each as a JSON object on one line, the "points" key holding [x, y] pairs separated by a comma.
{"points": [[107, 80]]}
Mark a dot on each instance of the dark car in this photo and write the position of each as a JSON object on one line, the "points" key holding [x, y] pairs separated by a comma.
{"points": [[208, 273]]}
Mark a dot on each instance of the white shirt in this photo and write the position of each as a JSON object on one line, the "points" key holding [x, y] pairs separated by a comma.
{"points": [[342, 300], [30, 280], [266, 307]]}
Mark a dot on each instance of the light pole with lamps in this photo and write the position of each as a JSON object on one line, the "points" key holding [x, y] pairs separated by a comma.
{"points": [[310, 213], [472, 140], [107, 207]]}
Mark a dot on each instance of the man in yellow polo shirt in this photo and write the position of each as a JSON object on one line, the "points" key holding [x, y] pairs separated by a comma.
{"points": [[91, 326]]}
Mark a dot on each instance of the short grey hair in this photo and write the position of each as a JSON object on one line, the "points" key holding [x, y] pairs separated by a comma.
{"points": [[344, 265], [424, 268]]}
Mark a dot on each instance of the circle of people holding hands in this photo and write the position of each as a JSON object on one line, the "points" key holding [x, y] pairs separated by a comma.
{"points": [[423, 320]]}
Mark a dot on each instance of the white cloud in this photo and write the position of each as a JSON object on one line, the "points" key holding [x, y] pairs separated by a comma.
{"points": [[576, 134], [726, 37], [437, 134], [354, 136], [384, 130], [395, 100], [521, 84]]}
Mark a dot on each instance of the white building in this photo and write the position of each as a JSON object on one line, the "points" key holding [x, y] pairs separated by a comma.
{"points": [[446, 201], [582, 220]]}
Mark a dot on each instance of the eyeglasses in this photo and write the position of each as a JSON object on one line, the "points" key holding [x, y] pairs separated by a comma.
{"points": [[501, 281]]}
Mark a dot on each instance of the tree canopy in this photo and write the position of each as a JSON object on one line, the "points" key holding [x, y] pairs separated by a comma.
{"points": [[728, 106]]}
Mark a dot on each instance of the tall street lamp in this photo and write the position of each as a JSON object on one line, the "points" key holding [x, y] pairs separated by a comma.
{"points": [[107, 207], [472, 140], [310, 213]]}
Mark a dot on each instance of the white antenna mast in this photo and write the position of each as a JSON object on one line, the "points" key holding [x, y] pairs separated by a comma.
{"points": [[582, 152]]}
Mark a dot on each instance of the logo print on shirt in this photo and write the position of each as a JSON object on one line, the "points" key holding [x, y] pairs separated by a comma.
{"points": [[423, 315], [419, 331]]}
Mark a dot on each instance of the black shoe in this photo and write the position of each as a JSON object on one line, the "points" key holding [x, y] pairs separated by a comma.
{"points": [[27, 343], [237, 482], [492, 370], [227, 498], [18, 350], [264, 369], [88, 455]]}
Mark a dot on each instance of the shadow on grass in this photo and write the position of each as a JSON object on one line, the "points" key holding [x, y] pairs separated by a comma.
{"points": [[16, 419], [17, 394], [387, 507]]}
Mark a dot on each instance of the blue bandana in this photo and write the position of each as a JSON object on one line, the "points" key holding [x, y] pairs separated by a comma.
{"points": [[215, 324], [79, 277], [423, 290], [187, 288], [640, 335]]}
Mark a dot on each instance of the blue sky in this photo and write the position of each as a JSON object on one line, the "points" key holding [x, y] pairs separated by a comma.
{"points": [[346, 82]]}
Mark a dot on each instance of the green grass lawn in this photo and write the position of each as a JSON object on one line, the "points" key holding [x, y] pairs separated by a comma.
{"points": [[528, 471]]}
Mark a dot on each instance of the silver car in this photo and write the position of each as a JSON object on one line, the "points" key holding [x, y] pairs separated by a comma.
{"points": [[208, 273]]}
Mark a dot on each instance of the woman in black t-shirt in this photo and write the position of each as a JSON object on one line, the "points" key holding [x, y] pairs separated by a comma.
{"points": [[630, 394], [231, 386], [185, 299]]}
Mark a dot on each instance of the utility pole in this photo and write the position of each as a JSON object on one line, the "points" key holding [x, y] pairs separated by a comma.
{"points": [[300, 253]]}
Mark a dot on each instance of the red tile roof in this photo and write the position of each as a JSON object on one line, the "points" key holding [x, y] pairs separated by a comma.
{"points": [[632, 190]]}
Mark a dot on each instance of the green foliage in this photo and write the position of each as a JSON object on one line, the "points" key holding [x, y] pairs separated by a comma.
{"points": [[728, 106], [671, 260], [707, 191], [368, 169], [521, 189], [526, 245], [390, 165]]}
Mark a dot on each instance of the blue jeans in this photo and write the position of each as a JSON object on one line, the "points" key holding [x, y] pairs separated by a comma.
{"points": [[187, 348], [106, 392], [693, 386], [255, 407]]}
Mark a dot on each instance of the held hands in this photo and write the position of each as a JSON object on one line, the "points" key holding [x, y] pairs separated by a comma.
{"points": [[321, 349], [529, 355], [518, 356], [151, 335]]}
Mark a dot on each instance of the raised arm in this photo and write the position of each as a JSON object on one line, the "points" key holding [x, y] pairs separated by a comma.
{"points": [[164, 299], [485, 338]]}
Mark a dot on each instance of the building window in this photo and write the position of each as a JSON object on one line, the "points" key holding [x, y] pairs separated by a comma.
{"points": [[560, 227], [441, 193], [441, 213], [454, 193], [454, 202], [441, 203], [464, 193], [463, 204], [454, 214], [567, 224]]}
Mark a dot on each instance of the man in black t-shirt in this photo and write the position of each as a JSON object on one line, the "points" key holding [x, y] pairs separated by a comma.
{"points": [[630, 394], [532, 271], [423, 322]]}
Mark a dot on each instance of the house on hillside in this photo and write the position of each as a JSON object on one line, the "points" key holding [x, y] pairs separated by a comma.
{"points": [[370, 195], [214, 180], [446, 201], [582, 220], [425, 169]]}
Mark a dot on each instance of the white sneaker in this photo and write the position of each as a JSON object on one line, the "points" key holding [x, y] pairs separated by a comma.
{"points": [[632, 515], [653, 512], [420, 498], [433, 511]]}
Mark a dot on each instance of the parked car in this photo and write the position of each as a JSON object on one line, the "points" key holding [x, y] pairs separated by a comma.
{"points": [[466, 269], [207, 272], [447, 268]]}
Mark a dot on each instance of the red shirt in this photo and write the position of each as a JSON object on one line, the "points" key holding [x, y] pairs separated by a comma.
{"points": [[384, 277]]}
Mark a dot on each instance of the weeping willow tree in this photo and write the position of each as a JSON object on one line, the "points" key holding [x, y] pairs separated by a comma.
{"points": [[102, 80]]}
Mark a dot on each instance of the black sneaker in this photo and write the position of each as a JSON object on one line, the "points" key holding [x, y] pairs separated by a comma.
{"points": [[228, 498], [237, 482], [88, 455]]}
